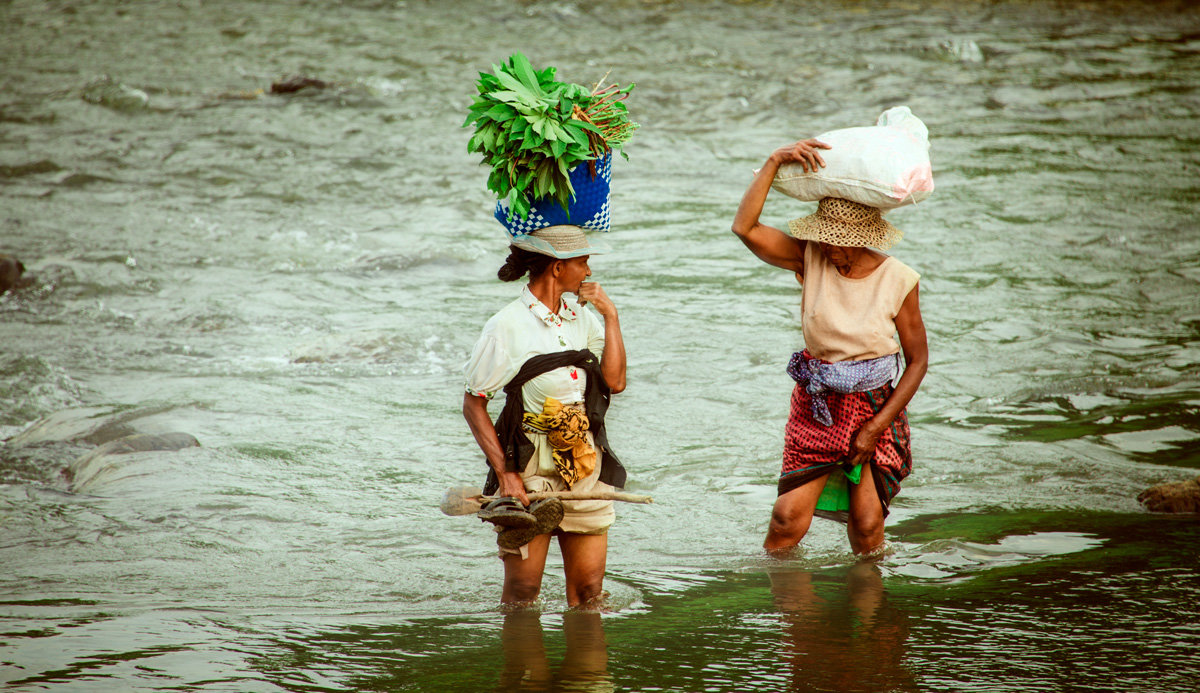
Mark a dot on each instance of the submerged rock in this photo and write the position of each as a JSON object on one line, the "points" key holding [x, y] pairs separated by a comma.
{"points": [[88, 446], [292, 85], [87, 425], [1179, 497], [956, 51], [11, 270], [84, 471], [115, 95]]}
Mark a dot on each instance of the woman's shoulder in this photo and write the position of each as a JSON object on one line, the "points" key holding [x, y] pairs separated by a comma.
{"points": [[507, 318], [897, 266], [895, 273]]}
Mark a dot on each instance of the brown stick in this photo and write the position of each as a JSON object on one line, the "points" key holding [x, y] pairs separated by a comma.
{"points": [[601, 81], [468, 500], [581, 495]]}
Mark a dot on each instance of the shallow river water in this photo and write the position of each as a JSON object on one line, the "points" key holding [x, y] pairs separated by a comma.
{"points": [[295, 281]]}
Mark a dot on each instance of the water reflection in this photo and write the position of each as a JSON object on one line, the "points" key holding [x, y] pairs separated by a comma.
{"points": [[841, 636], [584, 666]]}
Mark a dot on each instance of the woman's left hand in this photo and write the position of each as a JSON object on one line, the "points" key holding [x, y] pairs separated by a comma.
{"points": [[862, 445], [590, 292]]}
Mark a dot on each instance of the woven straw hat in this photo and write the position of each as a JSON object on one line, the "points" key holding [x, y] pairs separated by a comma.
{"points": [[845, 223], [562, 241]]}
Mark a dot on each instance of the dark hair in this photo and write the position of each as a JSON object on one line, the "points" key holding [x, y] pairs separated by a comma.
{"points": [[520, 261]]}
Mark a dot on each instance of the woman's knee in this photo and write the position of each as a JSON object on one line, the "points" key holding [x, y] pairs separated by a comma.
{"points": [[793, 511], [788, 520], [522, 589], [585, 557], [585, 584], [587, 592], [866, 533]]}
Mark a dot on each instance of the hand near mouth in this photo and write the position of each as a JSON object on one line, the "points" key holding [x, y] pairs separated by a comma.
{"points": [[591, 292]]}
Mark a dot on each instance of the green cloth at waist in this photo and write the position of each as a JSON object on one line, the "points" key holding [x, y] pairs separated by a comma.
{"points": [[835, 497]]}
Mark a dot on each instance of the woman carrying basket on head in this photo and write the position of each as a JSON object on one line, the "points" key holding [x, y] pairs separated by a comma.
{"points": [[557, 364], [846, 445]]}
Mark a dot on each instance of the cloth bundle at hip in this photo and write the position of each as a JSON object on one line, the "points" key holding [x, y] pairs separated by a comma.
{"points": [[566, 430]]}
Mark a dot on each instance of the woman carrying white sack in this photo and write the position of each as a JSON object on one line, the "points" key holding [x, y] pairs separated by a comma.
{"points": [[847, 443]]}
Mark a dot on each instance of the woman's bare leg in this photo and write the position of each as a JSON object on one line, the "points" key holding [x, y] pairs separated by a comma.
{"points": [[792, 515], [865, 527], [584, 559], [523, 578]]}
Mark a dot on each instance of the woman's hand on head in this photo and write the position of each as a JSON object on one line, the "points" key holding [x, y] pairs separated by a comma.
{"points": [[804, 152]]}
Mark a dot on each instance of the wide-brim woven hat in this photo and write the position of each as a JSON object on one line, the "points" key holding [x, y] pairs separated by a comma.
{"points": [[846, 223], [562, 241]]}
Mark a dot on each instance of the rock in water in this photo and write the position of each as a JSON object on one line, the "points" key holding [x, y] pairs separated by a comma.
{"points": [[119, 97], [964, 51], [956, 51], [1180, 497], [291, 85], [102, 461], [11, 270]]}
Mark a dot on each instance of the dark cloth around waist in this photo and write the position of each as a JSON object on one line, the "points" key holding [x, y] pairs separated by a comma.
{"points": [[517, 447], [812, 450]]}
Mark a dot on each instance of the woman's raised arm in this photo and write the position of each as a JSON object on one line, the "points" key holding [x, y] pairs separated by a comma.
{"points": [[771, 245]]}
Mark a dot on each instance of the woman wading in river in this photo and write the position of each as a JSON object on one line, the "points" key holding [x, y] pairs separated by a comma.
{"points": [[557, 364], [846, 446]]}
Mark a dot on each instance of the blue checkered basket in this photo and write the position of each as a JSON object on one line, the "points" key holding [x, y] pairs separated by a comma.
{"points": [[588, 210]]}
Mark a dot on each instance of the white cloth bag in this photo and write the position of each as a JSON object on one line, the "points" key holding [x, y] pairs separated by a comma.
{"points": [[884, 166]]}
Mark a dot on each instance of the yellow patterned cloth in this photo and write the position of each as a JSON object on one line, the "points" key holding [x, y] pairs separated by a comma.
{"points": [[566, 430]]}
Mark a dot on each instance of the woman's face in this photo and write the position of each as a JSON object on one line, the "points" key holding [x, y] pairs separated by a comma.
{"points": [[574, 271], [838, 255]]}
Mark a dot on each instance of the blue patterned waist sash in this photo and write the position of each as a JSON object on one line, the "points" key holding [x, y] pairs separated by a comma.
{"points": [[819, 378]]}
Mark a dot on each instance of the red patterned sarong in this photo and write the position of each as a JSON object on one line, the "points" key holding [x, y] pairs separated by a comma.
{"points": [[811, 450]]}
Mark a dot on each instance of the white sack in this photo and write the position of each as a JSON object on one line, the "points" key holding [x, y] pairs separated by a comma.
{"points": [[884, 166]]}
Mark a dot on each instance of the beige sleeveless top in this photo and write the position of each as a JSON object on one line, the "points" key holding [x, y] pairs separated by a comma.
{"points": [[848, 319]]}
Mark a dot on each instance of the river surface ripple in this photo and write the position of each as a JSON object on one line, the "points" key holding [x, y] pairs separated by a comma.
{"points": [[295, 280]]}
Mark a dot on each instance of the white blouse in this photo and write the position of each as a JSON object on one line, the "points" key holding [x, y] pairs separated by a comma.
{"points": [[526, 328]]}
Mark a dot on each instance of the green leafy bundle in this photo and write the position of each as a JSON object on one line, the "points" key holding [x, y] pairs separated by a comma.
{"points": [[532, 130]]}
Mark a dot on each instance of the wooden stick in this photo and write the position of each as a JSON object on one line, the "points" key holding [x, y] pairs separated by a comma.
{"points": [[468, 500], [601, 81], [581, 495]]}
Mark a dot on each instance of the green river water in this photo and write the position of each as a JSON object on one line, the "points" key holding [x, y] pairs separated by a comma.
{"points": [[296, 280]]}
